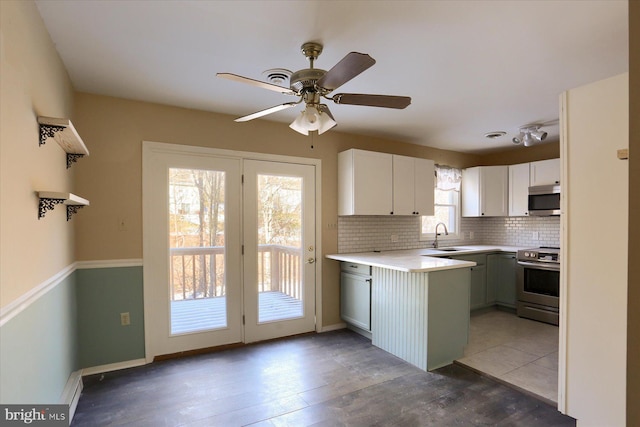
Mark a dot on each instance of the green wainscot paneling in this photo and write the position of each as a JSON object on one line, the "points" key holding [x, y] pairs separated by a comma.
{"points": [[102, 294], [38, 347]]}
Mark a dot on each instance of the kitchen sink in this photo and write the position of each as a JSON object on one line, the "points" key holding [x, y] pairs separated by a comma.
{"points": [[448, 249]]}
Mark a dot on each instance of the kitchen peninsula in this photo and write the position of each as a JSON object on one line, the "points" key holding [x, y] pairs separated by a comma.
{"points": [[419, 303]]}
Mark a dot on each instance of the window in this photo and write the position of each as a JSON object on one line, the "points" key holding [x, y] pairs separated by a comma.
{"points": [[447, 201]]}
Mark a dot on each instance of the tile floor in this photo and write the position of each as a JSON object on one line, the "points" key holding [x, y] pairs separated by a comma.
{"points": [[517, 351]]}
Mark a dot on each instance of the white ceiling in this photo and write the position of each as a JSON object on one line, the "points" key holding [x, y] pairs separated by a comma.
{"points": [[471, 67]]}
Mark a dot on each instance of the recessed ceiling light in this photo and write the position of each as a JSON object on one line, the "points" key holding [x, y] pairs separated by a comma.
{"points": [[494, 134]]}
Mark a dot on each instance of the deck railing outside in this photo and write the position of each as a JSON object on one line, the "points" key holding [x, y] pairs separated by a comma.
{"points": [[198, 272]]}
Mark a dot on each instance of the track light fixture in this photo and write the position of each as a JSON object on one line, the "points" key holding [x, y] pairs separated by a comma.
{"points": [[529, 135]]}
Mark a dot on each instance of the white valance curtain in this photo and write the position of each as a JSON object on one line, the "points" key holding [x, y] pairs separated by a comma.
{"points": [[448, 178]]}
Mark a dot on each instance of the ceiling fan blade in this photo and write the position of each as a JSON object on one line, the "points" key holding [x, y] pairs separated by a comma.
{"points": [[386, 101], [348, 67], [265, 112], [257, 83]]}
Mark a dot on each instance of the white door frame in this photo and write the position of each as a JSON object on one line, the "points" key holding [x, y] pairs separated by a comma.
{"points": [[149, 148]]}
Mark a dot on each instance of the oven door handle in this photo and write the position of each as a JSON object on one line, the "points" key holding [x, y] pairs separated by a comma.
{"points": [[539, 265]]}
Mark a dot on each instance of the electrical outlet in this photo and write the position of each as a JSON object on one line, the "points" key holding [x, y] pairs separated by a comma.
{"points": [[536, 235], [125, 319], [471, 235], [394, 238]]}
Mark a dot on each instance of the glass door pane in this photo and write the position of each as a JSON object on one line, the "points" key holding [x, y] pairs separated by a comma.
{"points": [[280, 284], [197, 250]]}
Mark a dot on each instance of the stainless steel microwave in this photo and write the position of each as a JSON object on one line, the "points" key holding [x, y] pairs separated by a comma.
{"points": [[544, 200]]}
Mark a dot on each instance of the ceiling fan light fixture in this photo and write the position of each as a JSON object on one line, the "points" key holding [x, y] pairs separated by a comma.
{"points": [[310, 119], [311, 84], [300, 124], [326, 123]]}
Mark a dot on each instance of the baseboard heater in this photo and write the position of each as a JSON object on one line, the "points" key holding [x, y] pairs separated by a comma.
{"points": [[71, 392]]}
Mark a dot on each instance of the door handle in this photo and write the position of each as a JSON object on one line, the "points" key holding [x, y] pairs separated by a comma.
{"points": [[311, 260]]}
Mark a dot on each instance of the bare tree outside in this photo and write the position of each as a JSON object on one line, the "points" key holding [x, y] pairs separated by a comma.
{"points": [[280, 216], [280, 210], [196, 220], [197, 235]]}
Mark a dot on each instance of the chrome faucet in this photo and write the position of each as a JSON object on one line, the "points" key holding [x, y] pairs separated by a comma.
{"points": [[446, 233]]}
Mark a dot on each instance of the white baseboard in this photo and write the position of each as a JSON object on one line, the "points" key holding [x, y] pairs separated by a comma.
{"points": [[71, 392], [114, 366], [334, 327]]}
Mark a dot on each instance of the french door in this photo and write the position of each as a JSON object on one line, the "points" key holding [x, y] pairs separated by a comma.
{"points": [[279, 249], [192, 252], [225, 262]]}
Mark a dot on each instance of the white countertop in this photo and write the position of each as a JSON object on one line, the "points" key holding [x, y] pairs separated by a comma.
{"points": [[420, 260]]}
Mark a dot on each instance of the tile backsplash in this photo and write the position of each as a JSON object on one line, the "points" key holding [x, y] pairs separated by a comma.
{"points": [[374, 233]]}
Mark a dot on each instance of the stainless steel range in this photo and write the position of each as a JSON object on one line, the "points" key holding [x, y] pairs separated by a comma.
{"points": [[538, 279]]}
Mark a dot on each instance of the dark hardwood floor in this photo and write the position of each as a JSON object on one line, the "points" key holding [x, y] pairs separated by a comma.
{"points": [[332, 379]]}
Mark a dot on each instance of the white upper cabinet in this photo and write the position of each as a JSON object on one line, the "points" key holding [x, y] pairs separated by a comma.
{"points": [[485, 191], [365, 183], [403, 185], [425, 185], [371, 183], [519, 190], [544, 172], [413, 186]]}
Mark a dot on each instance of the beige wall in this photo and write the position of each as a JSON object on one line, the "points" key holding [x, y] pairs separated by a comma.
{"points": [[633, 321], [34, 82], [111, 178], [522, 154]]}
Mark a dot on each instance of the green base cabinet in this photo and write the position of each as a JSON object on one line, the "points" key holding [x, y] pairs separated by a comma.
{"points": [[501, 276], [478, 288]]}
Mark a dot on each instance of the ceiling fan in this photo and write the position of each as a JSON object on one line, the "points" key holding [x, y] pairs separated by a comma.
{"points": [[312, 84]]}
